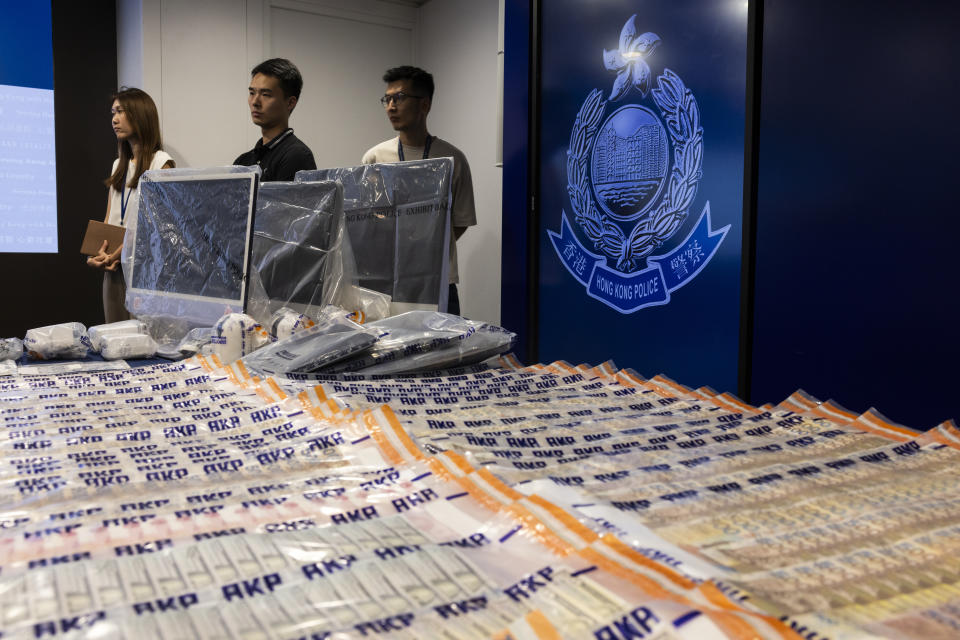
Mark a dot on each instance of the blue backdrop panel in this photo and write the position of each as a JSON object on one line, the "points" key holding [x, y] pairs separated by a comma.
{"points": [[26, 44], [516, 279], [640, 231], [856, 273]]}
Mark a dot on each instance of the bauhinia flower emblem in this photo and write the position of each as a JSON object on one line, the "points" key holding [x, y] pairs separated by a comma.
{"points": [[629, 61]]}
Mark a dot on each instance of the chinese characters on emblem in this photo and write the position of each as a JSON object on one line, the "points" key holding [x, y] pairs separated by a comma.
{"points": [[575, 258], [691, 255], [579, 264]]}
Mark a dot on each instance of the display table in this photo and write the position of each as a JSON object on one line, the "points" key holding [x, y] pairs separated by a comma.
{"points": [[192, 500]]}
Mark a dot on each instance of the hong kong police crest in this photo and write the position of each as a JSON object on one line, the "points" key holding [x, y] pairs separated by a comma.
{"points": [[632, 174]]}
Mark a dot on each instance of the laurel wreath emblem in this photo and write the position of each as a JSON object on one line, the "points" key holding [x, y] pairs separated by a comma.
{"points": [[682, 116]]}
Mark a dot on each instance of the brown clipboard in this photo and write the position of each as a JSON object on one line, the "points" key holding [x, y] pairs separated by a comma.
{"points": [[96, 233]]}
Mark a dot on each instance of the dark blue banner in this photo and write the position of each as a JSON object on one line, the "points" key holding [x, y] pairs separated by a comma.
{"points": [[652, 286], [26, 44]]}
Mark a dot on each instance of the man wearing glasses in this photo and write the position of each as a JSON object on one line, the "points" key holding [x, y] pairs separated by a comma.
{"points": [[407, 101]]}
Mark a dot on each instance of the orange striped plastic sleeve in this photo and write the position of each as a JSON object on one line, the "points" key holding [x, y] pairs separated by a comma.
{"points": [[737, 402], [625, 550], [735, 623], [575, 526], [453, 463], [498, 484], [487, 501], [876, 418], [540, 531], [640, 581], [401, 434], [541, 626], [386, 447], [272, 383], [864, 424]]}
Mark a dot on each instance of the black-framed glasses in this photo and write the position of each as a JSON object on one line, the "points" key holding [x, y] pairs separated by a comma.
{"points": [[397, 97]]}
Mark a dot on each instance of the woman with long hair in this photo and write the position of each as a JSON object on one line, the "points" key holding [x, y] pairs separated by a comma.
{"points": [[139, 148]]}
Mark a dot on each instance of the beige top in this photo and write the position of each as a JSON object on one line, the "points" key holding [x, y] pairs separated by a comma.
{"points": [[160, 158]]}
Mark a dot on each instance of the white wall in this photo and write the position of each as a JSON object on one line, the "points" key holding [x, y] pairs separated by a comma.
{"points": [[342, 56], [193, 62], [195, 57], [458, 45]]}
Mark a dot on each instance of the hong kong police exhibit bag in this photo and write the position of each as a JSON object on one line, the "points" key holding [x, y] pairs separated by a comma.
{"points": [[398, 220], [186, 260]]}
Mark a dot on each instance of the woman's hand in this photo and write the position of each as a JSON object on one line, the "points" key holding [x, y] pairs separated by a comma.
{"points": [[104, 260], [113, 262]]}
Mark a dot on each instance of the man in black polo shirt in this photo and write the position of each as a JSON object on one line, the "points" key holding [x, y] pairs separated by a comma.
{"points": [[274, 90]]}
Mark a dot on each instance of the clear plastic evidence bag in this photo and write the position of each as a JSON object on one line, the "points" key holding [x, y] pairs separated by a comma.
{"points": [[398, 222], [298, 249], [333, 338], [186, 257]]}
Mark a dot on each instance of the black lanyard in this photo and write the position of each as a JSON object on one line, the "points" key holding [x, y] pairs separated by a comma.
{"points": [[426, 148], [124, 201]]}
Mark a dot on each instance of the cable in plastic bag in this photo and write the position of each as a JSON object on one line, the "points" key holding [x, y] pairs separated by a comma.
{"points": [[405, 335], [333, 338], [64, 341]]}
